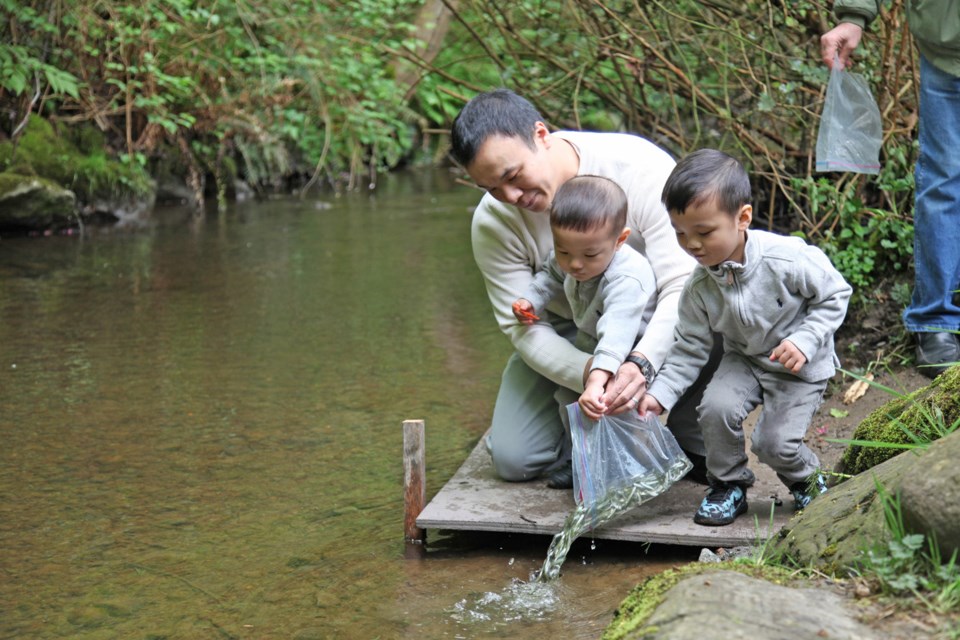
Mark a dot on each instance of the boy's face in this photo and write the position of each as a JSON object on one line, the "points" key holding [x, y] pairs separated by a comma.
{"points": [[586, 254], [516, 174], [709, 234]]}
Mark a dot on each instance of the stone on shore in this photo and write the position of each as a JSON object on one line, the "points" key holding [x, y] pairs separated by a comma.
{"points": [[733, 606]]}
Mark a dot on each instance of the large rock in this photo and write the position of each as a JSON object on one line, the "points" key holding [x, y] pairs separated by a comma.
{"points": [[732, 606], [29, 202], [105, 188], [837, 527], [930, 494]]}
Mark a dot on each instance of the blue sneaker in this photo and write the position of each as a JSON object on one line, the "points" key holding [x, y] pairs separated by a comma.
{"points": [[806, 490], [722, 505]]}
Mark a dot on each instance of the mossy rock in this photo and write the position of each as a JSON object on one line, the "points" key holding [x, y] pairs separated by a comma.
{"points": [[630, 618], [30, 202], [902, 419], [101, 184]]}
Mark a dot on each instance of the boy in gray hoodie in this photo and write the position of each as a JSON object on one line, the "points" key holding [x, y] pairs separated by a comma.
{"points": [[776, 301]]}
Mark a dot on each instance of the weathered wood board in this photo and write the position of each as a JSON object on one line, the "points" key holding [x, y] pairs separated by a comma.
{"points": [[475, 499]]}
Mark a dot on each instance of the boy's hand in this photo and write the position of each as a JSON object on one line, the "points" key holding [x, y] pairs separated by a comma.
{"points": [[591, 400], [591, 403], [523, 311], [789, 356], [649, 403]]}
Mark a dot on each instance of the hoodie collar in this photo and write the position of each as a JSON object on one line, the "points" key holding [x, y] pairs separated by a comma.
{"points": [[726, 272]]}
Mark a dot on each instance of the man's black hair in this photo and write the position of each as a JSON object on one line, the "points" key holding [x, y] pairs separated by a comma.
{"points": [[584, 203], [498, 112], [707, 174]]}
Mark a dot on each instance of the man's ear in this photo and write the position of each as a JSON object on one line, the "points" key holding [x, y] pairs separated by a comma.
{"points": [[623, 237], [744, 217], [542, 134]]}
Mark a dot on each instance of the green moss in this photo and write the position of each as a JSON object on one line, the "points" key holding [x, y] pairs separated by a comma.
{"points": [[918, 414], [91, 174]]}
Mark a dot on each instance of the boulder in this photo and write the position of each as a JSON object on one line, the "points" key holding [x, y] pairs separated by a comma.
{"points": [[834, 531], [104, 187], [30, 202], [930, 494], [733, 606]]}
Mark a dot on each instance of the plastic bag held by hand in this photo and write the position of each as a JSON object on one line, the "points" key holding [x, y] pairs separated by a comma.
{"points": [[850, 131], [621, 461]]}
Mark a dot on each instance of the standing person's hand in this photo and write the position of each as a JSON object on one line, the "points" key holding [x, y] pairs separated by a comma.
{"points": [[840, 42]]}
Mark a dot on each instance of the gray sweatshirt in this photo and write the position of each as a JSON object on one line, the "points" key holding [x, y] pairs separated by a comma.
{"points": [[610, 311], [785, 289]]}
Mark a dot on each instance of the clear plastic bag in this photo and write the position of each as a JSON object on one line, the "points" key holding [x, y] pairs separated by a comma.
{"points": [[850, 130], [621, 461]]}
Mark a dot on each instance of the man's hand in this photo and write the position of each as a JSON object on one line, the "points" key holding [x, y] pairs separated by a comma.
{"points": [[624, 390], [840, 42], [789, 356], [523, 311], [649, 403]]}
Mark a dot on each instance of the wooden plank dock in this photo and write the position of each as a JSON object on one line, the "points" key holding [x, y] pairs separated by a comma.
{"points": [[475, 499]]}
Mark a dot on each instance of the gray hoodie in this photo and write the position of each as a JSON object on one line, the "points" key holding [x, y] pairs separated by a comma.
{"points": [[610, 311], [785, 289]]}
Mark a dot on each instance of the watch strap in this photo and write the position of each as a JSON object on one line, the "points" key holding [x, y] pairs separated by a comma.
{"points": [[646, 368]]}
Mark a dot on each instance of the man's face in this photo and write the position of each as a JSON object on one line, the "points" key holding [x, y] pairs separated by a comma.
{"points": [[514, 173]]}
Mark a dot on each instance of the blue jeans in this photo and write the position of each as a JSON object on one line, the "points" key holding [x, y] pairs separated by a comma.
{"points": [[935, 303]]}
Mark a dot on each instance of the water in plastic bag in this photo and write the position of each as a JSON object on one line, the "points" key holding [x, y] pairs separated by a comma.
{"points": [[850, 130]]}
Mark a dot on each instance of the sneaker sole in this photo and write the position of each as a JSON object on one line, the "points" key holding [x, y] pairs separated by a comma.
{"points": [[719, 522]]}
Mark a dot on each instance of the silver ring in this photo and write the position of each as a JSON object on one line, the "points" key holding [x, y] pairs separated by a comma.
{"points": [[637, 400]]}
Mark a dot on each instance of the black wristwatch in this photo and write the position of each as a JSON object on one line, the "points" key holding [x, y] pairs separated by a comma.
{"points": [[645, 367]]}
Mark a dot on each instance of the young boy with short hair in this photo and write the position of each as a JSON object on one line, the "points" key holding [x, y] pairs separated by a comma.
{"points": [[776, 301], [610, 286]]}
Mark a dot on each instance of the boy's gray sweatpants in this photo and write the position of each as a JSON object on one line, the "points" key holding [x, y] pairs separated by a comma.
{"points": [[789, 403]]}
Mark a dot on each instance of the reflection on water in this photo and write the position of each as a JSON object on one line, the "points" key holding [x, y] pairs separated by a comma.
{"points": [[201, 428]]}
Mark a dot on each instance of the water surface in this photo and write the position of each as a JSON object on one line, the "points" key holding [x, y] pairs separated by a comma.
{"points": [[201, 430]]}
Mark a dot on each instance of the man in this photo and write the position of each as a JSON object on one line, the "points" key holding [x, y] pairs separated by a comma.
{"points": [[934, 309], [502, 142]]}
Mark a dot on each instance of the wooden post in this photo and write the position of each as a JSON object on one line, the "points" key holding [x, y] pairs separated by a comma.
{"points": [[414, 487]]}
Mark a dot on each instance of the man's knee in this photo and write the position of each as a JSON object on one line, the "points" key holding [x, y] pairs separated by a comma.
{"points": [[514, 465]]}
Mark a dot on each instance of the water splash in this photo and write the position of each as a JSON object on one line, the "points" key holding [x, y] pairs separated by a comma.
{"points": [[526, 601]]}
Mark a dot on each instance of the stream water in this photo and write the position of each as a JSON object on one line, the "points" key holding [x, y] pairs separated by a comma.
{"points": [[201, 431]]}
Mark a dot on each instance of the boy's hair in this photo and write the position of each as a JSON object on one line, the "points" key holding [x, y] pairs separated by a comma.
{"points": [[584, 203], [706, 174], [498, 112]]}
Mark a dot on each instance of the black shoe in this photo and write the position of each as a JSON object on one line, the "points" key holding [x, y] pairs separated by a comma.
{"points": [[806, 490], [936, 352], [698, 473], [722, 505], [561, 478]]}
